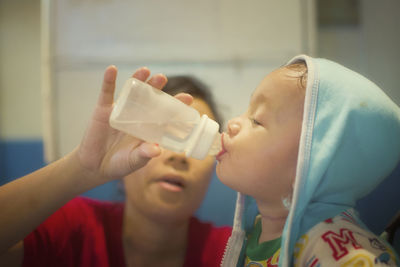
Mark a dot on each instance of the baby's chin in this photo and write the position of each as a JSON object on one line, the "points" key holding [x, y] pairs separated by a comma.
{"points": [[227, 179], [219, 171]]}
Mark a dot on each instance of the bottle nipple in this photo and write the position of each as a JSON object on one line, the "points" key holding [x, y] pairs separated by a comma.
{"points": [[216, 145], [203, 138]]}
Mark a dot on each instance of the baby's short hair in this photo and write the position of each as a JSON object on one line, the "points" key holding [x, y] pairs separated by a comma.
{"points": [[301, 68]]}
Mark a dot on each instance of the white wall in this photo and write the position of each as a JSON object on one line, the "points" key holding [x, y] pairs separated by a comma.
{"points": [[381, 39], [372, 49], [230, 45], [20, 95]]}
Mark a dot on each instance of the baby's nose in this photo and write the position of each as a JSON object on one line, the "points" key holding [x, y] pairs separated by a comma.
{"points": [[233, 127]]}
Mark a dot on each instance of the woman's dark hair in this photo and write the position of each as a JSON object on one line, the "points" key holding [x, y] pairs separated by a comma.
{"points": [[191, 85]]}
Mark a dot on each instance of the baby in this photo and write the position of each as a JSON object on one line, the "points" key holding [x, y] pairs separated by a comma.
{"points": [[316, 138]]}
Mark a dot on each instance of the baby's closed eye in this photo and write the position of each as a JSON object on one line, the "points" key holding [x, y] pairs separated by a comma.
{"points": [[254, 121]]}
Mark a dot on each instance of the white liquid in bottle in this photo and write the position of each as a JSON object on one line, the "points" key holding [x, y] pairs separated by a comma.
{"points": [[157, 117]]}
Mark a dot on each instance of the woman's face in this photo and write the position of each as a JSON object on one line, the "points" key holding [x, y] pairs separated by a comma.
{"points": [[171, 186]]}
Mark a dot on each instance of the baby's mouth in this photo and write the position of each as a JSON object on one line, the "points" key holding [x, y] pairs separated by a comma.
{"points": [[223, 150]]}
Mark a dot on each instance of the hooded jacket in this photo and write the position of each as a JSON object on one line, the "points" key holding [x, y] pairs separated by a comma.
{"points": [[350, 142]]}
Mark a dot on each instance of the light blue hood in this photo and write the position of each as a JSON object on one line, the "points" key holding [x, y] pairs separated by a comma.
{"points": [[350, 142]]}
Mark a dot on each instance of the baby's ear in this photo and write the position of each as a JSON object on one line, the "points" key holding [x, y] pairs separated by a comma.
{"points": [[185, 98]]}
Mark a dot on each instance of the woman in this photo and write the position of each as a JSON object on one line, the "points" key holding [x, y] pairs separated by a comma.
{"points": [[153, 227]]}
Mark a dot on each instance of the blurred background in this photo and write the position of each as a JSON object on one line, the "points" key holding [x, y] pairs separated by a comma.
{"points": [[53, 54]]}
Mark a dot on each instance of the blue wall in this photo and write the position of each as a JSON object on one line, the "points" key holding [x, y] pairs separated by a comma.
{"points": [[18, 158], [379, 207]]}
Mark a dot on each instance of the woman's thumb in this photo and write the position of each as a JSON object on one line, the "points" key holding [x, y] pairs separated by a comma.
{"points": [[142, 154]]}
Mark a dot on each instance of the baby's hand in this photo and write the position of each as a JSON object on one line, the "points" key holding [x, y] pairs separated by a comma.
{"points": [[106, 153]]}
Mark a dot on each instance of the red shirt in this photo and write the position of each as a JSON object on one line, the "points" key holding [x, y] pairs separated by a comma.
{"points": [[88, 232]]}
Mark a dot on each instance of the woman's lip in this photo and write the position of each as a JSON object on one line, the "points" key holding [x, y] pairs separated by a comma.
{"points": [[170, 187], [223, 150], [172, 183]]}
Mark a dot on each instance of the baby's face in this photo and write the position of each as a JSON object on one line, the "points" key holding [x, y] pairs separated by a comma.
{"points": [[262, 144]]}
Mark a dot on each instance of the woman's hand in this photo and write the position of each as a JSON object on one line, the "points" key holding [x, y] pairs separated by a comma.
{"points": [[106, 153]]}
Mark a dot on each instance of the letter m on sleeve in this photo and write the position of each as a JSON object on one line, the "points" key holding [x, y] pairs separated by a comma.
{"points": [[340, 242]]}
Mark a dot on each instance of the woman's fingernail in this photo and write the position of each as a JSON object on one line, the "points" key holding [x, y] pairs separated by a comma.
{"points": [[150, 150]]}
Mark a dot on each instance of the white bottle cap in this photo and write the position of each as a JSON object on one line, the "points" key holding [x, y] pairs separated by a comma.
{"points": [[202, 138]]}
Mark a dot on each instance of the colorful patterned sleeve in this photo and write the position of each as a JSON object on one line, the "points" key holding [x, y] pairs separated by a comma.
{"points": [[340, 241]]}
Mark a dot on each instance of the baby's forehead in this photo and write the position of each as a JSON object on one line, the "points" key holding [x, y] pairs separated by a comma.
{"points": [[280, 79], [278, 88]]}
